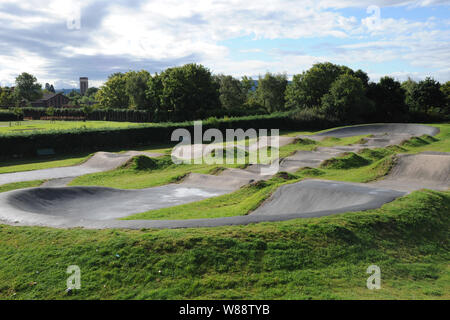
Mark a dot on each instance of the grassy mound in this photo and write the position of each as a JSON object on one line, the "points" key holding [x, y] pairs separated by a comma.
{"points": [[376, 154], [146, 163], [307, 171], [397, 149], [286, 176], [305, 141], [331, 140], [383, 167], [419, 141], [323, 258], [346, 161]]}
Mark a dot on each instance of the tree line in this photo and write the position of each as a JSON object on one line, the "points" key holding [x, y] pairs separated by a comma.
{"points": [[192, 92], [334, 91]]}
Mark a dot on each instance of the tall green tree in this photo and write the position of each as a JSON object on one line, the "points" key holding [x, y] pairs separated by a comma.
{"points": [[49, 88], [248, 84], [135, 87], [232, 93], [113, 93], [18, 112], [364, 77], [389, 98], [409, 86], [154, 92], [7, 98], [27, 87], [271, 91], [428, 95], [445, 88], [346, 99], [92, 91], [308, 88], [184, 93], [249, 87]]}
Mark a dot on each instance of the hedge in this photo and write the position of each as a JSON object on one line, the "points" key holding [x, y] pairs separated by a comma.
{"points": [[126, 115], [120, 115], [8, 116], [26, 144]]}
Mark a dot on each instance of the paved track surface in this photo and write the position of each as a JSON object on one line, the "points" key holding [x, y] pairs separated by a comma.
{"points": [[416, 171], [96, 208], [93, 207], [310, 197], [381, 129], [98, 203]]}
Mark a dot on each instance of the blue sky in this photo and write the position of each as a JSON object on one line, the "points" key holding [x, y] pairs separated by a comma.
{"points": [[399, 38]]}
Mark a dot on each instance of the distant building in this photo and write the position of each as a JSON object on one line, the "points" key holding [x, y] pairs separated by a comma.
{"points": [[84, 85], [55, 100]]}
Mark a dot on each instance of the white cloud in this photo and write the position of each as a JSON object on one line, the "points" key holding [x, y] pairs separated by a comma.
{"points": [[170, 31], [21, 61]]}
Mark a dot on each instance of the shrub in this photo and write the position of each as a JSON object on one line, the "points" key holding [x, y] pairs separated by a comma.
{"points": [[6, 115], [26, 143]]}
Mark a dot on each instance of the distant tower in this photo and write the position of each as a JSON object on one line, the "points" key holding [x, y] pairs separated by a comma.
{"points": [[84, 85]]}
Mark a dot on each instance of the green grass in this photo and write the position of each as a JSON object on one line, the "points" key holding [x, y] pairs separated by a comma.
{"points": [[133, 177], [439, 143], [46, 162], [56, 161], [320, 258], [348, 160], [43, 126], [371, 172], [241, 202], [20, 185]]}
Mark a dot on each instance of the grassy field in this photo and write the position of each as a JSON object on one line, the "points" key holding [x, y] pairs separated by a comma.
{"points": [[42, 163], [320, 258], [42, 125]]}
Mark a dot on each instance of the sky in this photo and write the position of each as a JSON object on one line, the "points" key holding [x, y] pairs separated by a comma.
{"points": [[60, 40]]}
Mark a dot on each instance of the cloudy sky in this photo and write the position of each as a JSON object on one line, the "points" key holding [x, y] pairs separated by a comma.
{"points": [[60, 40]]}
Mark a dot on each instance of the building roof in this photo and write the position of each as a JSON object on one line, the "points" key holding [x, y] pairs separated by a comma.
{"points": [[48, 96]]}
